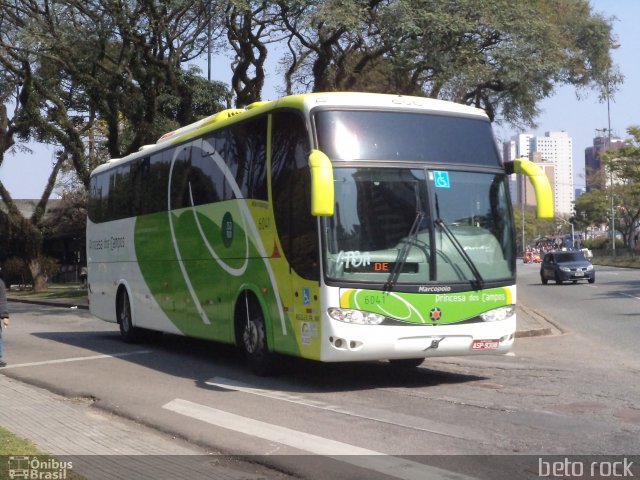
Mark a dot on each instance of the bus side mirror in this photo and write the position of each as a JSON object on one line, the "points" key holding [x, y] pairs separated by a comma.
{"points": [[322, 202], [540, 182]]}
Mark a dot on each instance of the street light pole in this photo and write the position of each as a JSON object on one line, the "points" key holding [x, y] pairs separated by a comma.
{"points": [[613, 221], [573, 237], [209, 46], [608, 146], [522, 211]]}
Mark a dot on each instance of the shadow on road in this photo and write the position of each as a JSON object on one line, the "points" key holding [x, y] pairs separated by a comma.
{"points": [[196, 360]]}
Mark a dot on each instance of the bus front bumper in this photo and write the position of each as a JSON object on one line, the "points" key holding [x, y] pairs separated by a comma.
{"points": [[343, 342]]}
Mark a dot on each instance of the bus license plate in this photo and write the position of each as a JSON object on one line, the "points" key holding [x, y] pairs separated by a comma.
{"points": [[485, 344]]}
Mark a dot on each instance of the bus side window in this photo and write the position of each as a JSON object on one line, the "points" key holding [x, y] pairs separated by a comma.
{"points": [[119, 197], [291, 193], [97, 197], [219, 143], [247, 157], [139, 185], [180, 197], [202, 176]]}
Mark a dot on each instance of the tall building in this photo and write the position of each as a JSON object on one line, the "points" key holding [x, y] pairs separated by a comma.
{"points": [[554, 155], [556, 148], [592, 156], [518, 147], [549, 170]]}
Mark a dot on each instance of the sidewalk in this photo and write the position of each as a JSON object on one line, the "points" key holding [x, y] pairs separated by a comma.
{"points": [[99, 445], [104, 446], [531, 323]]}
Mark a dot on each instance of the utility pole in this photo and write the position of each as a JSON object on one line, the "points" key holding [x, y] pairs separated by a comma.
{"points": [[209, 46], [522, 199], [613, 220]]}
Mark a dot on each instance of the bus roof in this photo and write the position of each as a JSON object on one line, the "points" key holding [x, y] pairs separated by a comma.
{"points": [[304, 102]]}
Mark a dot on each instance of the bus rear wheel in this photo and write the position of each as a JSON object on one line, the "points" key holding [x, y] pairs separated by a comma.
{"points": [[252, 336], [129, 333]]}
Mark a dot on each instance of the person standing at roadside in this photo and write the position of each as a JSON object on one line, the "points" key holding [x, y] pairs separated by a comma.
{"points": [[4, 318]]}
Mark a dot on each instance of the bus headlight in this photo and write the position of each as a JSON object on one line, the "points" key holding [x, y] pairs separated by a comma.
{"points": [[355, 316], [498, 314]]}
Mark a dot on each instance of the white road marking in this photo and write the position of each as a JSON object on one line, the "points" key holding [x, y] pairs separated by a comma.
{"points": [[287, 397], [344, 452], [630, 296], [75, 359]]}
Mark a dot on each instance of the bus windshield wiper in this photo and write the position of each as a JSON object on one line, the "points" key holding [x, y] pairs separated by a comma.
{"points": [[410, 240], [458, 246]]}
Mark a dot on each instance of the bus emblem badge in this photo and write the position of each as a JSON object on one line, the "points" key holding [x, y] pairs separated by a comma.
{"points": [[435, 314], [227, 229]]}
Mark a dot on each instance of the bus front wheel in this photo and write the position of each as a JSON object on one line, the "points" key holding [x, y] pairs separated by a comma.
{"points": [[129, 333], [252, 336]]}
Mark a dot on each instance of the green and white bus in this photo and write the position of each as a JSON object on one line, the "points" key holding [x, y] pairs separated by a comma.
{"points": [[330, 226]]}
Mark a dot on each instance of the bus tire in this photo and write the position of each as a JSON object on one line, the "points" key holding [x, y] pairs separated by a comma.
{"points": [[129, 333], [252, 336], [406, 362]]}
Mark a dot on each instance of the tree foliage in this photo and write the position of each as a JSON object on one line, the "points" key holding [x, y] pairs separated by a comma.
{"points": [[122, 63], [534, 228], [620, 199], [101, 79], [498, 55], [249, 26], [96, 77], [623, 166]]}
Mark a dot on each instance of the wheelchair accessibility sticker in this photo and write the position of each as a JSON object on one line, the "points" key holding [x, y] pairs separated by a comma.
{"points": [[441, 179]]}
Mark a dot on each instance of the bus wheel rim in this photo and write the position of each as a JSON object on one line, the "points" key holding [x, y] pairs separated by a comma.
{"points": [[250, 337]]}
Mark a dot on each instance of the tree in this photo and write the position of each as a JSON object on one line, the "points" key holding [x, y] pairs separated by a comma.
{"points": [[101, 79], [120, 61], [498, 55], [249, 26], [17, 93], [534, 228], [333, 43], [620, 192], [623, 166], [96, 77], [590, 208]]}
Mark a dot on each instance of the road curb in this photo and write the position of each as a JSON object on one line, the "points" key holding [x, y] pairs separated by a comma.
{"points": [[49, 303], [546, 326]]}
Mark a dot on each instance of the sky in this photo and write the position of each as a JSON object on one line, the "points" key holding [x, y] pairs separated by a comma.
{"points": [[25, 175], [581, 118]]}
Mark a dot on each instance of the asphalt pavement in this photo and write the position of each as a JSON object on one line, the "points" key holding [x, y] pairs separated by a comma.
{"points": [[101, 445]]}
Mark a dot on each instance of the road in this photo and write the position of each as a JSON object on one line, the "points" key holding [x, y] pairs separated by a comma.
{"points": [[576, 393], [607, 312]]}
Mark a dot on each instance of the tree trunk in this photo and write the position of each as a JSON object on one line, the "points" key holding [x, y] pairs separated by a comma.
{"points": [[38, 275]]}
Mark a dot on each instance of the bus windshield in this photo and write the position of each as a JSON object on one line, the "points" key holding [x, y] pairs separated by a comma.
{"points": [[393, 136], [463, 235]]}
